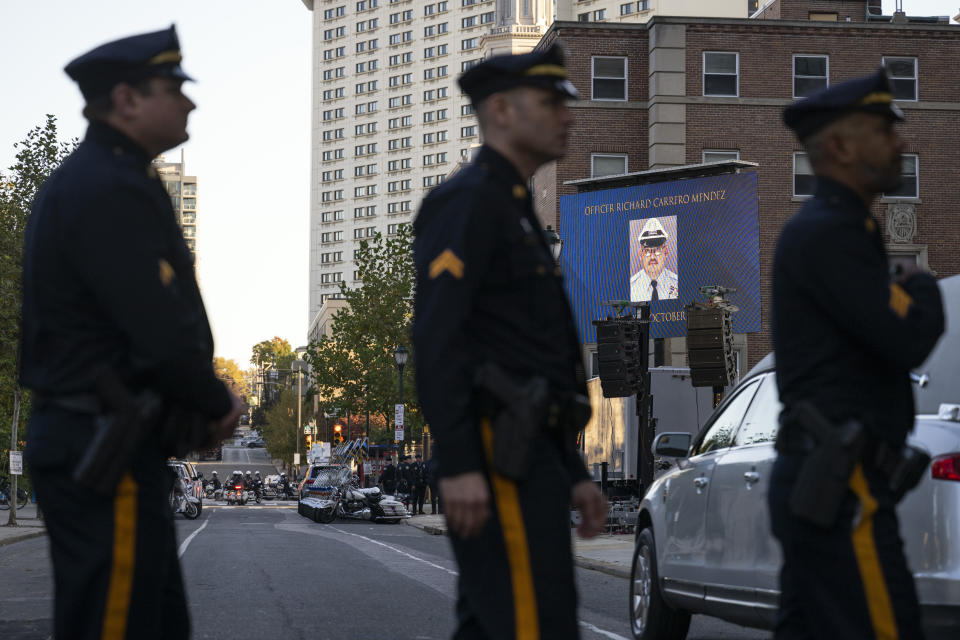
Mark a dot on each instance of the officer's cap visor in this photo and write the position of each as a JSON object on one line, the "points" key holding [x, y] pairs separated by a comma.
{"points": [[653, 242]]}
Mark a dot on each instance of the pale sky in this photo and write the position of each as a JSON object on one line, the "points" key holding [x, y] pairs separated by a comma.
{"points": [[250, 135], [249, 145]]}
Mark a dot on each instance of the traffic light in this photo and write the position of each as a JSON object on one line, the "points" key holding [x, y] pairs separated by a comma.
{"points": [[618, 356], [337, 433], [309, 440], [710, 346]]}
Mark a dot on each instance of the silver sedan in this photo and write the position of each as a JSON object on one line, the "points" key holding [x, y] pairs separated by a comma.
{"points": [[704, 544]]}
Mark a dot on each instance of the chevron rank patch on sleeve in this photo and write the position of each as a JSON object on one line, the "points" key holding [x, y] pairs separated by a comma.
{"points": [[446, 261], [166, 272], [900, 300]]}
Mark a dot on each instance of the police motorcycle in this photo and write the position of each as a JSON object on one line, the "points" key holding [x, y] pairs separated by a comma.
{"points": [[234, 492], [183, 501], [338, 495], [211, 490]]}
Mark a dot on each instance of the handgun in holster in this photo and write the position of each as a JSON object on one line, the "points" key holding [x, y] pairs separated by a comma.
{"points": [[126, 422], [822, 483], [517, 416]]}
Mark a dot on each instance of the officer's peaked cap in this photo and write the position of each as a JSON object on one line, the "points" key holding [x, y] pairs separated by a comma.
{"points": [[868, 94], [129, 59], [653, 233], [543, 69]]}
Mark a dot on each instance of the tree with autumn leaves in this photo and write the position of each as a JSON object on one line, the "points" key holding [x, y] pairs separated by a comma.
{"points": [[353, 369]]}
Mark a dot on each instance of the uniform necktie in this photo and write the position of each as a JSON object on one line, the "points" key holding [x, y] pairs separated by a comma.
{"points": [[653, 296]]}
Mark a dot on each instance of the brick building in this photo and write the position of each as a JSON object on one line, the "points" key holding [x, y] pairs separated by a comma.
{"points": [[683, 91]]}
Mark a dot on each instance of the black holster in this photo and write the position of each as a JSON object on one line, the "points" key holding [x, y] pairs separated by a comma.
{"points": [[824, 477], [521, 410], [126, 422], [911, 464], [518, 411]]}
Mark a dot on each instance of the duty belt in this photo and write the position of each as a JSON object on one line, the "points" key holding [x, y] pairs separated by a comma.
{"points": [[87, 403], [876, 454]]}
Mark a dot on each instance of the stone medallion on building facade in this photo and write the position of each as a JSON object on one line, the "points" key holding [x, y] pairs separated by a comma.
{"points": [[901, 222]]}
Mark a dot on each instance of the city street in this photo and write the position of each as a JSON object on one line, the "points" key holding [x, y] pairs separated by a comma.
{"points": [[256, 571], [238, 458]]}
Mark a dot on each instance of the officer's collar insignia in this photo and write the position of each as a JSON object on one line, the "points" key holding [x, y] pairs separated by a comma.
{"points": [[166, 273], [900, 300], [870, 225], [519, 191], [446, 261]]}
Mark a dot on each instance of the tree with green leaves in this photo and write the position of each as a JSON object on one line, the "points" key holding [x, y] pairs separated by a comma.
{"points": [[38, 155], [353, 369], [280, 429]]}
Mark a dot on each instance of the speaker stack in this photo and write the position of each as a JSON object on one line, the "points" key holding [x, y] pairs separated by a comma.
{"points": [[710, 346]]}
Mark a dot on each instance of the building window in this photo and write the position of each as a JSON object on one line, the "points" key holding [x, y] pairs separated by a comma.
{"points": [[583, 17], [469, 43], [468, 132], [609, 78], [718, 155], [803, 179], [910, 187], [607, 164], [599, 15], [626, 9], [720, 73], [903, 77], [810, 74]]}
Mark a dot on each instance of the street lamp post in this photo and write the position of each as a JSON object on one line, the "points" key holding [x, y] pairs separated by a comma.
{"points": [[400, 356]]}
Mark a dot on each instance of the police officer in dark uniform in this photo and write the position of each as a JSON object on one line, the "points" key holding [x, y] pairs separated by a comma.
{"points": [[389, 477], [403, 475], [418, 484], [846, 334], [489, 291], [109, 283]]}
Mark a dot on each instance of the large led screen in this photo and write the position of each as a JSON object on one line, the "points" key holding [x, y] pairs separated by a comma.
{"points": [[660, 243]]}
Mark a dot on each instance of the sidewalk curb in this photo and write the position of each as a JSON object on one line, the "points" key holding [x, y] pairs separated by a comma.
{"points": [[602, 567], [26, 535], [426, 528]]}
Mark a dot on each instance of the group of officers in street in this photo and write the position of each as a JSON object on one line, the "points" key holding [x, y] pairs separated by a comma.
{"points": [[413, 479], [109, 283]]}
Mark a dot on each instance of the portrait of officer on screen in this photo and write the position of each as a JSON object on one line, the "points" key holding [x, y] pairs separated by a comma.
{"points": [[653, 251]]}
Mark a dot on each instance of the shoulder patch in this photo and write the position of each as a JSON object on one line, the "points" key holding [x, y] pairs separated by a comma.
{"points": [[900, 300], [167, 273], [446, 261]]}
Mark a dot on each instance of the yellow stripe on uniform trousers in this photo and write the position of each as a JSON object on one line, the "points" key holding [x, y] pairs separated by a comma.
{"points": [[526, 625], [871, 573], [121, 569]]}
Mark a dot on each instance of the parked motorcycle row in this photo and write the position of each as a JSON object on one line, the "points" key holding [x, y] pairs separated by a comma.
{"points": [[335, 492]]}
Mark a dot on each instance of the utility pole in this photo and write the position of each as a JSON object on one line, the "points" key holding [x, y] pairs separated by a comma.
{"points": [[12, 519]]}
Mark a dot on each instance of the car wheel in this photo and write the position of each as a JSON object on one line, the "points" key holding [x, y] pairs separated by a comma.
{"points": [[650, 616]]}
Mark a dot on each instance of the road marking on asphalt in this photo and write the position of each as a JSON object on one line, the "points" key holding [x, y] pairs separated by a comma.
{"points": [[186, 543], [601, 632], [400, 551]]}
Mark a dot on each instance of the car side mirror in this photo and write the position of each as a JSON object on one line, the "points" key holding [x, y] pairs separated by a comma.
{"points": [[672, 445]]}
